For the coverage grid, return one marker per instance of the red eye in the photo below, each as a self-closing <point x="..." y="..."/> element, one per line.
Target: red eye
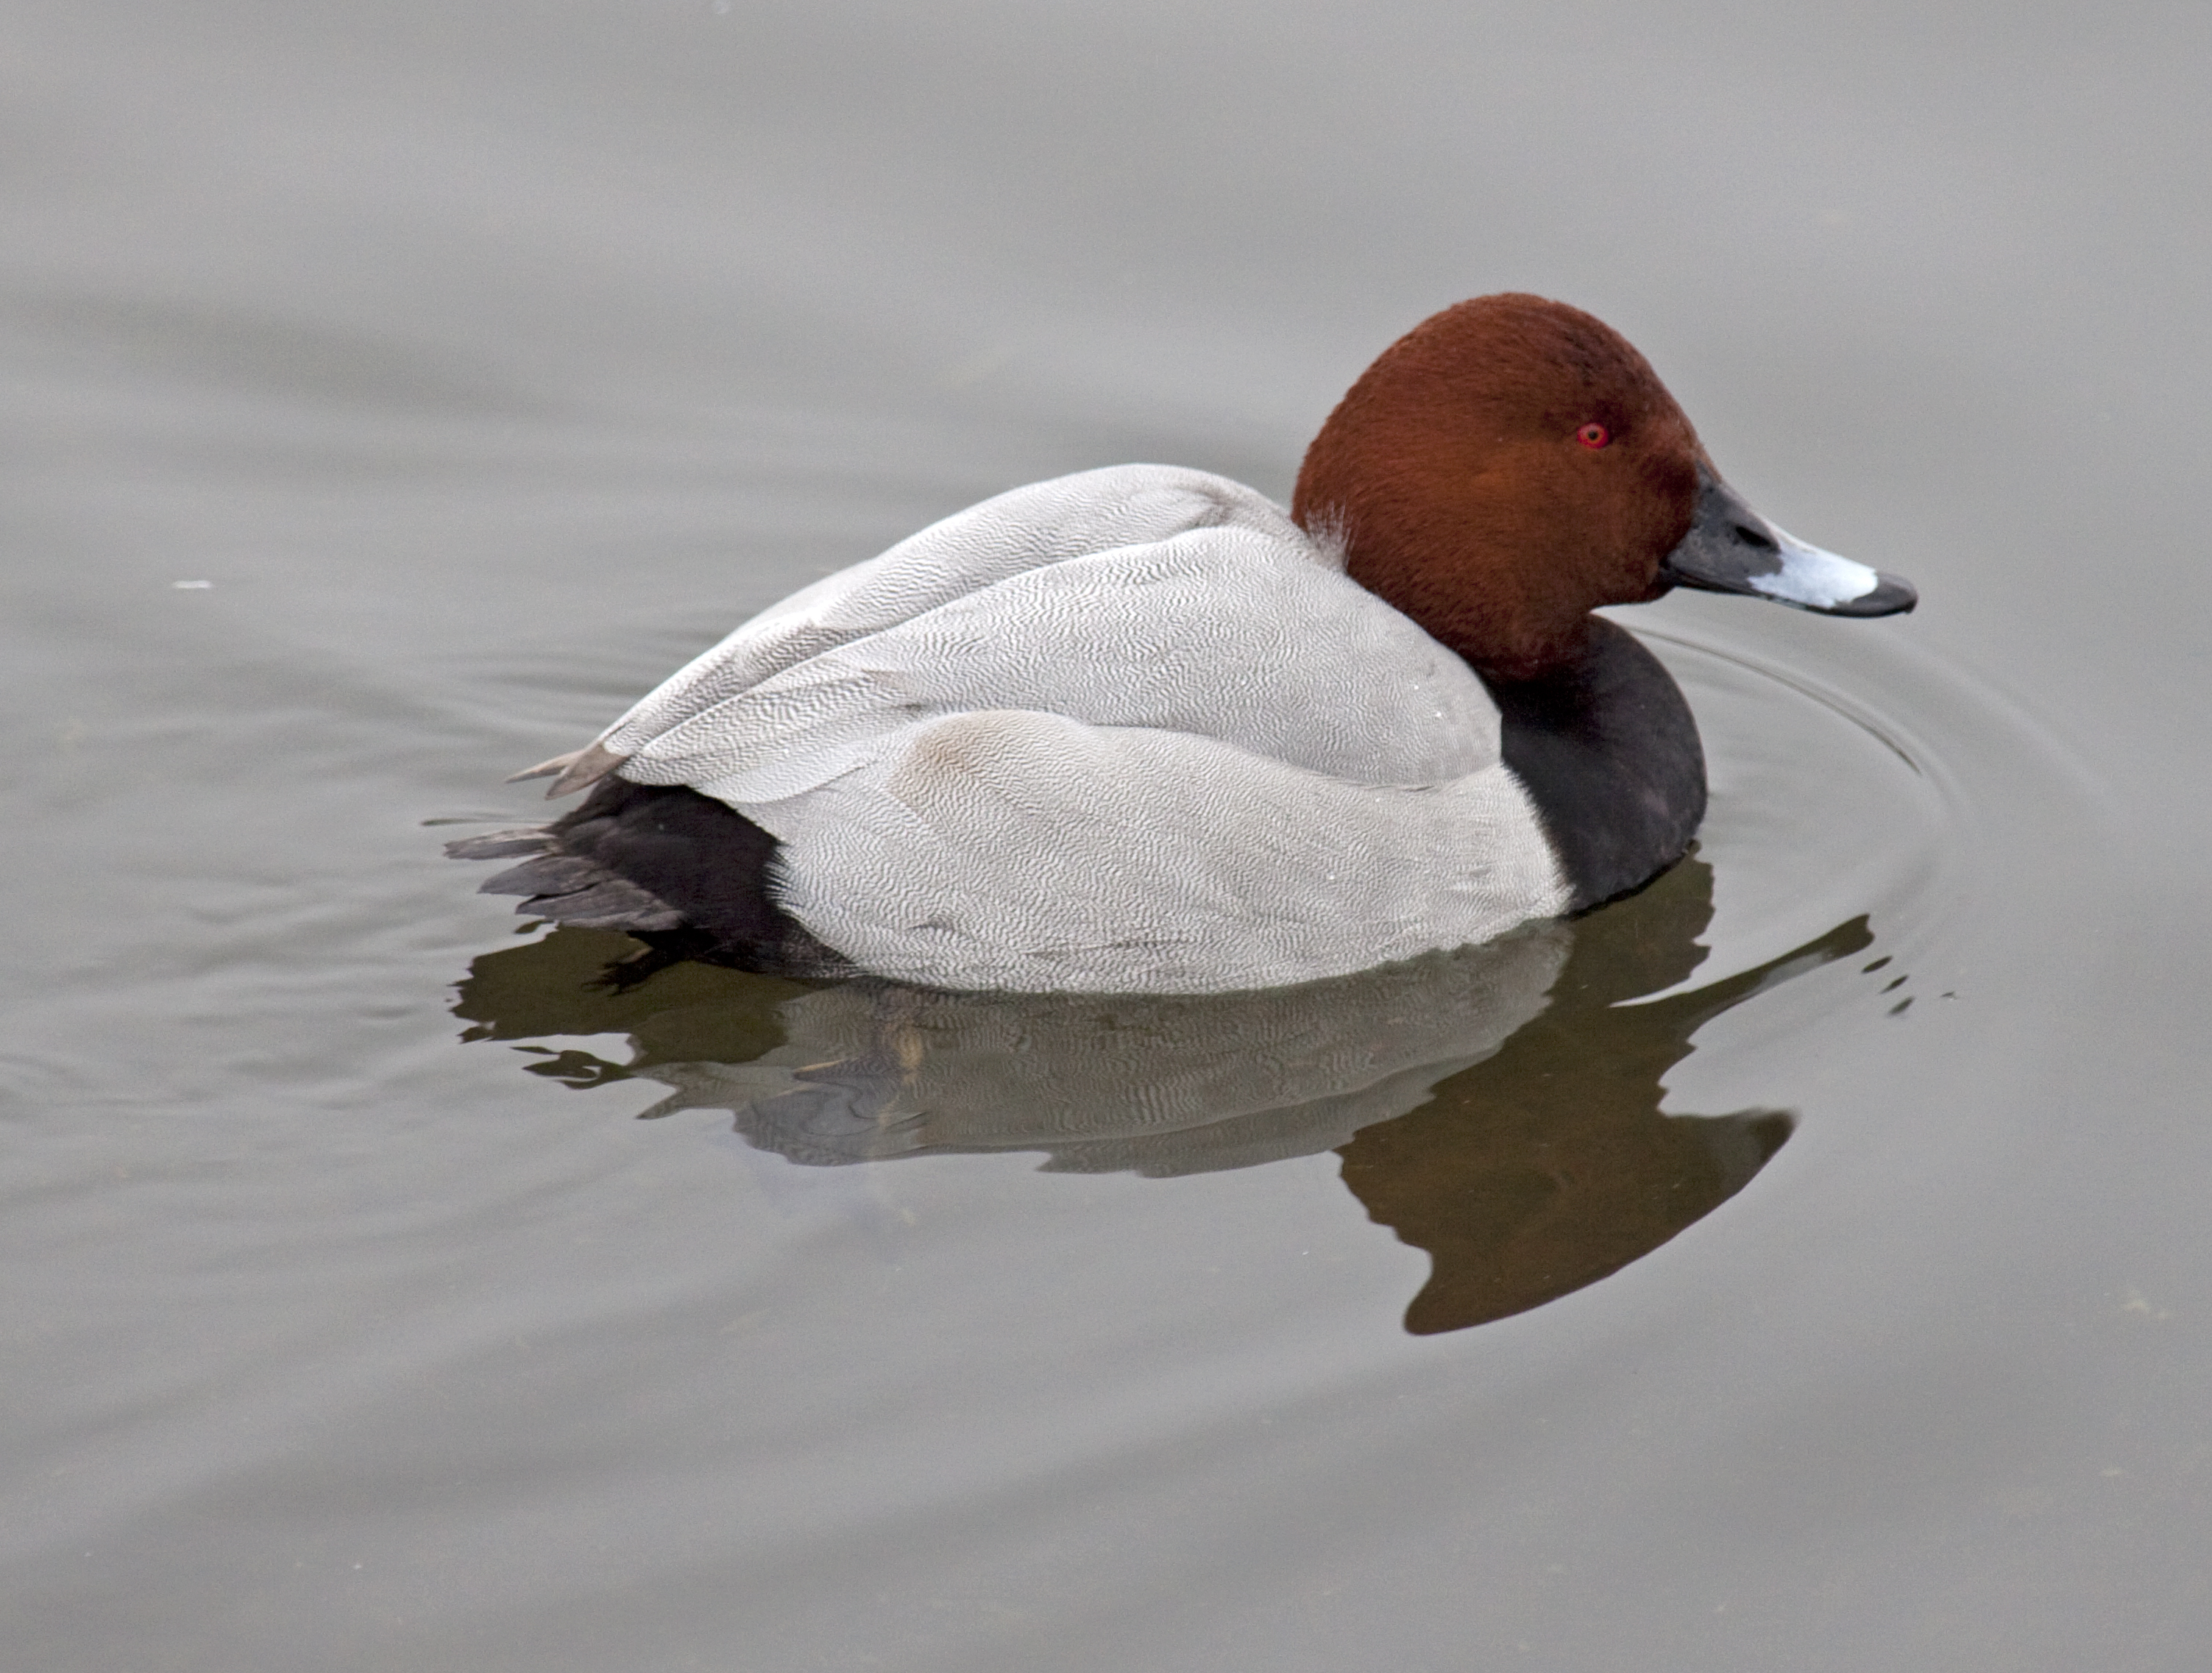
<point x="1593" y="435"/>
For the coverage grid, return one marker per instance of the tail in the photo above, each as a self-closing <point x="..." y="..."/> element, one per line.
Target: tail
<point x="655" y="860"/>
<point x="566" y="886"/>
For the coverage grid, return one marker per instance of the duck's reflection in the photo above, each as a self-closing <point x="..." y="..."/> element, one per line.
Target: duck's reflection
<point x="1496" y="1106"/>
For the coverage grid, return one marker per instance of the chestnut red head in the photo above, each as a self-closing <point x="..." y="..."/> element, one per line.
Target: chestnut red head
<point x="1503" y="469"/>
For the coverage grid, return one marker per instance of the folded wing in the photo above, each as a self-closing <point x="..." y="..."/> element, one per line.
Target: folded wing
<point x="1212" y="632"/>
<point x="1023" y="530"/>
<point x="1128" y="729"/>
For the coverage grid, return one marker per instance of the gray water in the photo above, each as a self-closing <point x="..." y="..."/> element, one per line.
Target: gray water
<point x="1803" y="1264"/>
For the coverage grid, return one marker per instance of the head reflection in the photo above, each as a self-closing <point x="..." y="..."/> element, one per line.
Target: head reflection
<point x="1496" y="1106"/>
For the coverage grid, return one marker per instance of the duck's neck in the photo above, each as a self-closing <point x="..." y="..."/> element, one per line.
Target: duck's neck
<point x="1606" y="744"/>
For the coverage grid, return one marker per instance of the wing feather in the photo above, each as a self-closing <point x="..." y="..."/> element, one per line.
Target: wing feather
<point x="1131" y="729"/>
<point x="1024" y="529"/>
<point x="1212" y="632"/>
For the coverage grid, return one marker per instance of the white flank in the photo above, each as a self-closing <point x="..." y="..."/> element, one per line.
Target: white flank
<point x="1128" y="731"/>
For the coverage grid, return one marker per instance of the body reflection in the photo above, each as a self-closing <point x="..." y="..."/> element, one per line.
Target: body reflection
<point x="1496" y="1106"/>
<point x="1549" y="1165"/>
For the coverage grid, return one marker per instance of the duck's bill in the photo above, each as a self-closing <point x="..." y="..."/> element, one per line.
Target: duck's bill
<point x="1732" y="548"/>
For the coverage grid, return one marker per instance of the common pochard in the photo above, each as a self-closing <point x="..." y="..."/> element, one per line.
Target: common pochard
<point x="1140" y="729"/>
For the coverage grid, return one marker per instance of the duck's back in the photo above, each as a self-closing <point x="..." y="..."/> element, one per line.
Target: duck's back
<point x="1128" y="729"/>
<point x="1137" y="596"/>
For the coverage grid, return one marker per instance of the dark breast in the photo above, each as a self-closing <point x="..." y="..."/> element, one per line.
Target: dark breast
<point x="1608" y="750"/>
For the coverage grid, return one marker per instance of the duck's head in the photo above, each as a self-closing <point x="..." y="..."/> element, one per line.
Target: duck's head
<point x="1511" y="464"/>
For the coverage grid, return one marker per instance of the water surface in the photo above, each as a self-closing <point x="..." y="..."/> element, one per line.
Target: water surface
<point x="1801" y="1265"/>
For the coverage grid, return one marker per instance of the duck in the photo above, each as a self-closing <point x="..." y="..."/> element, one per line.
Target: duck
<point x="1142" y="729"/>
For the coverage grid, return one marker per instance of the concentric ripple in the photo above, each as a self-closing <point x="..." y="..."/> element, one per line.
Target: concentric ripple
<point x="1499" y="1105"/>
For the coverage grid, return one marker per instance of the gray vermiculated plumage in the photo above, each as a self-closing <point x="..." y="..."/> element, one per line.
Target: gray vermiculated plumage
<point x="1131" y="729"/>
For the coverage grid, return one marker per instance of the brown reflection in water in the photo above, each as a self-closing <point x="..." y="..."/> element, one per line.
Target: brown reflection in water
<point x="1549" y="1165"/>
<point x="1496" y="1106"/>
<point x="687" y="1013"/>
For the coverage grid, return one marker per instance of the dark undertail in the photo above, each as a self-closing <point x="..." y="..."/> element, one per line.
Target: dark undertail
<point x="1609" y="752"/>
<point x="687" y="876"/>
